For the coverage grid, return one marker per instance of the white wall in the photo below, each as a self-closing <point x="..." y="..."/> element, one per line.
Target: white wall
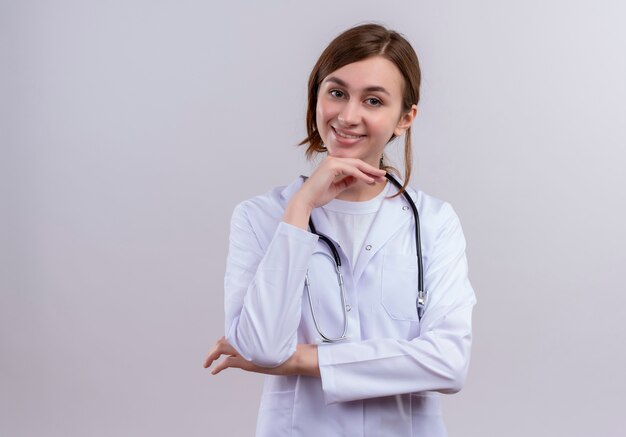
<point x="125" y="128"/>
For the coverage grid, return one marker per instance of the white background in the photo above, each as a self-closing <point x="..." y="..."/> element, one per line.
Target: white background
<point x="130" y="129"/>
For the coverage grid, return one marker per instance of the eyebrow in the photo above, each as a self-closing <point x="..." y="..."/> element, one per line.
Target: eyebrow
<point x="345" y="85"/>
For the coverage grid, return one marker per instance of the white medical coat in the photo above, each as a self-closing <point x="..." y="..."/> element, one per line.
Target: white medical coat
<point x="386" y="378"/>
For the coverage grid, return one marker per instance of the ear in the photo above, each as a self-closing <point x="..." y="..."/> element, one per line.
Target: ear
<point x="405" y="121"/>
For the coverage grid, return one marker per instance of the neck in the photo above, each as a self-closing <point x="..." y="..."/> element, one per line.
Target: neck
<point x="361" y="191"/>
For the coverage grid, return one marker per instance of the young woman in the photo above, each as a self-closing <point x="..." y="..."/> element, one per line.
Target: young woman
<point x="325" y="293"/>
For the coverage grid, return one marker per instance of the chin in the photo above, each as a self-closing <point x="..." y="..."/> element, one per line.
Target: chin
<point x="344" y="154"/>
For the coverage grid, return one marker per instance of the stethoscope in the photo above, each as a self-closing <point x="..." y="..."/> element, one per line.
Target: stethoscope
<point x="421" y="293"/>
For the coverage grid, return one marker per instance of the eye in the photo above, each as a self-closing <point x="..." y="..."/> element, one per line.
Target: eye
<point x="336" y="93"/>
<point x="373" y="101"/>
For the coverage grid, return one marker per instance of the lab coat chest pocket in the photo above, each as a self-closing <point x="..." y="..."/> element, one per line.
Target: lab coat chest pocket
<point x="399" y="286"/>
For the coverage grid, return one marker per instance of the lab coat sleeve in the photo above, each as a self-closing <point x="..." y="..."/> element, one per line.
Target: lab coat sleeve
<point x="263" y="287"/>
<point x="436" y="360"/>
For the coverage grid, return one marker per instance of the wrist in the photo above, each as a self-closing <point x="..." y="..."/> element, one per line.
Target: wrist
<point x="307" y="362"/>
<point x="300" y="201"/>
<point x="297" y="212"/>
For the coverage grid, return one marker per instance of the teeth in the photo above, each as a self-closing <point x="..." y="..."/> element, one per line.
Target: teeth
<point x="351" y="137"/>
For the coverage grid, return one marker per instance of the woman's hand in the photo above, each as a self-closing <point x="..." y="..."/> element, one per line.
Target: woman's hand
<point x="333" y="176"/>
<point x="302" y="362"/>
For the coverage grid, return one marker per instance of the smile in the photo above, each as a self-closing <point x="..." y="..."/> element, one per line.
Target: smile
<point x="347" y="136"/>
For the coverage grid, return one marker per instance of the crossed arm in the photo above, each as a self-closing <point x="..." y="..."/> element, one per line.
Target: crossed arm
<point x="333" y="176"/>
<point x="303" y="362"/>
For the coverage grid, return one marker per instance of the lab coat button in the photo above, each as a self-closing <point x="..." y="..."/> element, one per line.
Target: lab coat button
<point x="368" y="247"/>
<point x="348" y="307"/>
<point x="404" y="208"/>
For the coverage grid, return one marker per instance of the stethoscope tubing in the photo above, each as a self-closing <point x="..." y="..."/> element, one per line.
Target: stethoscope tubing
<point x="421" y="293"/>
<point x="418" y="240"/>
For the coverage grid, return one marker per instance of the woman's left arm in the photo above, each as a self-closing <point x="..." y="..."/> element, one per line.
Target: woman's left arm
<point x="303" y="362"/>
<point x="437" y="359"/>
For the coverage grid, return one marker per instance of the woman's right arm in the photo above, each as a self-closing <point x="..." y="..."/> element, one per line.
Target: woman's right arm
<point x="264" y="285"/>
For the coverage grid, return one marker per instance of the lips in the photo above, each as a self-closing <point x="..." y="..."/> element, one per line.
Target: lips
<point x="346" y="135"/>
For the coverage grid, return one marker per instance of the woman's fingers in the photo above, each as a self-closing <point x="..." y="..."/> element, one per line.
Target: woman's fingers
<point x="237" y="362"/>
<point x="348" y="172"/>
<point x="357" y="168"/>
<point x="378" y="174"/>
<point x="335" y="175"/>
<point x="356" y="174"/>
<point x="222" y="347"/>
<point x="367" y="176"/>
<point x="332" y="177"/>
<point x="234" y="360"/>
<point x="345" y="183"/>
<point x="226" y="363"/>
<point x="212" y="356"/>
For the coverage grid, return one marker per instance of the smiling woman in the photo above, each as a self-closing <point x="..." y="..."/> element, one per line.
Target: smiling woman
<point x="386" y="323"/>
<point x="352" y="47"/>
<point x="359" y="109"/>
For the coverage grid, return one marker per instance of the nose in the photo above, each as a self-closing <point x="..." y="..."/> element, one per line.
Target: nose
<point x="349" y="115"/>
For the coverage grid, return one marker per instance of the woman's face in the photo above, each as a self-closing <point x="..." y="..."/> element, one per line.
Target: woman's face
<point x="359" y="108"/>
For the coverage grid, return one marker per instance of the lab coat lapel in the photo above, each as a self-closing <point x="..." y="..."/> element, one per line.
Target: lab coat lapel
<point x="388" y="221"/>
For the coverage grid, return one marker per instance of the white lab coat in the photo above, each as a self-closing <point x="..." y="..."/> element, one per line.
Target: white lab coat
<point x="384" y="380"/>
